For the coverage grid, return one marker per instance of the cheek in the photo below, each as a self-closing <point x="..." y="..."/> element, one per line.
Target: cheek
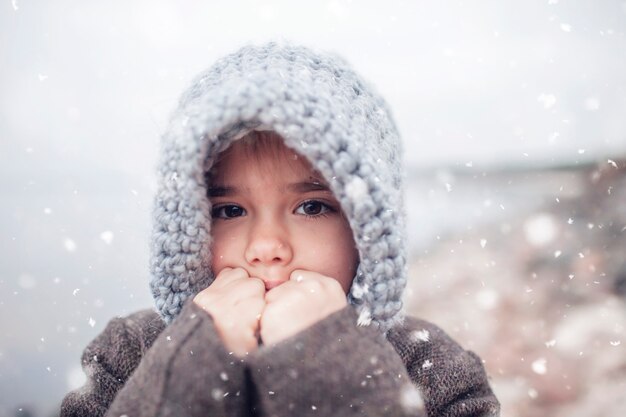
<point x="224" y="250"/>
<point x="348" y="261"/>
<point x="330" y="250"/>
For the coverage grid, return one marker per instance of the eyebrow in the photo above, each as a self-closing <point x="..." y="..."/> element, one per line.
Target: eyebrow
<point x="307" y="186"/>
<point x="296" y="187"/>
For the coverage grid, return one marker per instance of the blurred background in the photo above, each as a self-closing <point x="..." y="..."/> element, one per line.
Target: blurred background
<point x="513" y="118"/>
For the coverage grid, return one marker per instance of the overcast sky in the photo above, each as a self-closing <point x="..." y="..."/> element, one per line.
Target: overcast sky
<point x="91" y="83"/>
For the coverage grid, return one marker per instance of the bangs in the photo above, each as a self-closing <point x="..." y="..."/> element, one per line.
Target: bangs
<point x="258" y="145"/>
<point x="263" y="142"/>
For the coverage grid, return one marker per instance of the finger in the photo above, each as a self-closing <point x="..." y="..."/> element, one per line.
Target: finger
<point x="228" y="275"/>
<point x="301" y="275"/>
<point x="249" y="287"/>
<point x="309" y="281"/>
<point x="314" y="280"/>
<point x="281" y="291"/>
<point x="253" y="310"/>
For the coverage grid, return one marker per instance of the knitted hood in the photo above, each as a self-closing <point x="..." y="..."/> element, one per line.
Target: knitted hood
<point x="325" y="112"/>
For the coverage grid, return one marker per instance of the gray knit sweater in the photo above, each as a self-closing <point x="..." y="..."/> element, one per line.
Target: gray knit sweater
<point x="140" y="367"/>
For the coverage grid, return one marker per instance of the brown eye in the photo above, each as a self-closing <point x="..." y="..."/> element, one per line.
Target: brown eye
<point x="227" y="211"/>
<point x="312" y="208"/>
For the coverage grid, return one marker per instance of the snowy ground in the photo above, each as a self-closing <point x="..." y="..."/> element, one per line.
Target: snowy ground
<point x="539" y="294"/>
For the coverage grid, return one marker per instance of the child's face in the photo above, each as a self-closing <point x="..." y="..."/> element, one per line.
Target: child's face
<point x="273" y="214"/>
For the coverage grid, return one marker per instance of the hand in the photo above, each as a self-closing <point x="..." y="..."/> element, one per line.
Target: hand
<point x="300" y="302"/>
<point x="235" y="301"/>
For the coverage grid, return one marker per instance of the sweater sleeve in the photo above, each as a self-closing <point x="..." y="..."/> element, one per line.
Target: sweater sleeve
<point x="338" y="368"/>
<point x="334" y="368"/>
<point x="185" y="372"/>
<point x="453" y="381"/>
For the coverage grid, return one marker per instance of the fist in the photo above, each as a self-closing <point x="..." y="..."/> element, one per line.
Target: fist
<point x="235" y="301"/>
<point x="297" y="304"/>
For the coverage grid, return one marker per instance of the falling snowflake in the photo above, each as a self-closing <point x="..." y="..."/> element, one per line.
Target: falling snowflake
<point x="92" y="322"/>
<point x="565" y="27"/>
<point x="356" y="189"/>
<point x="553" y="136"/>
<point x="548" y="100"/>
<point x="540" y="229"/>
<point x="487" y="299"/>
<point x="75" y="378"/>
<point x="217" y="394"/>
<point x="411" y="399"/>
<point x="420" y="335"/>
<point x="358" y="290"/>
<point x="69" y="244"/>
<point x="107" y="236"/>
<point x="427" y="364"/>
<point x="551" y="343"/>
<point x="365" y="318"/>
<point x="539" y="366"/>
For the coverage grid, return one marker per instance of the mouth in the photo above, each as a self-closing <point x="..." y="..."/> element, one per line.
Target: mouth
<point x="269" y="284"/>
<point x="271" y="277"/>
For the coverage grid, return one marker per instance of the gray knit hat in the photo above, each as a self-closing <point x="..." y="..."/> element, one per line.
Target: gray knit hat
<point x="324" y="111"/>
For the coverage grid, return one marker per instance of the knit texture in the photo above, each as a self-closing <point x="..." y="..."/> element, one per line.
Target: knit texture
<point x="139" y="367"/>
<point x="324" y="111"/>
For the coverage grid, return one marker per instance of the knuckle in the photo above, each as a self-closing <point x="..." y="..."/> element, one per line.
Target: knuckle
<point x="316" y="285"/>
<point x="256" y="283"/>
<point x="239" y="271"/>
<point x="333" y="284"/>
<point x="224" y="272"/>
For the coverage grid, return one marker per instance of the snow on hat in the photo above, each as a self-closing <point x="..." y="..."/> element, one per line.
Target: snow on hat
<point x="324" y="111"/>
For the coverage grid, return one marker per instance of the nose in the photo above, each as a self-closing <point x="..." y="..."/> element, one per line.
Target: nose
<point x="268" y="244"/>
